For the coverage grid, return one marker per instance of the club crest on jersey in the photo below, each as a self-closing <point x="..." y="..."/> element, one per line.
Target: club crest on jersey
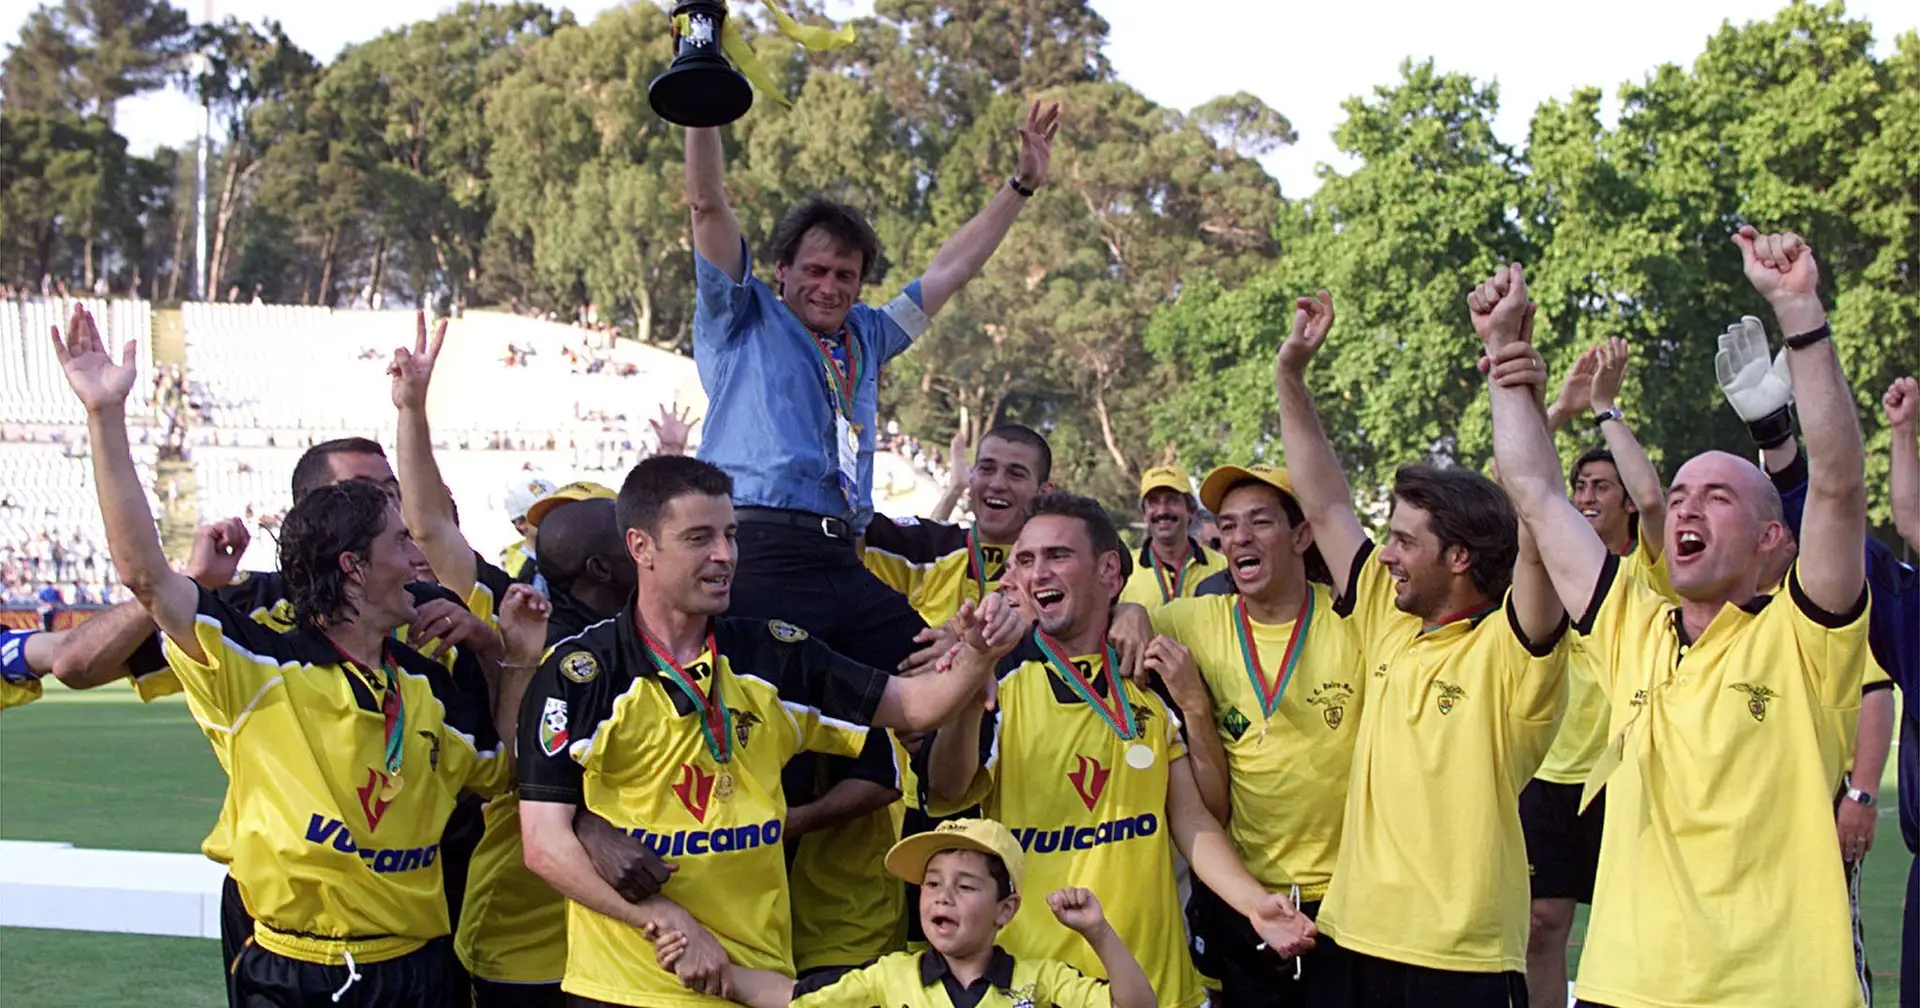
<point x="1449" y="695"/>
<point x="1235" y="724"/>
<point x="742" y="721"/>
<point x="281" y="615"/>
<point x="433" y="750"/>
<point x="375" y="796"/>
<point x="1639" y="698"/>
<point x="580" y="667"/>
<point x="695" y="790"/>
<point x="1332" y="699"/>
<point x="553" y="726"/>
<point x="1022" y="997"/>
<point x="785" y="633"/>
<point x="1758" y="697"/>
<point x="1089" y="780"/>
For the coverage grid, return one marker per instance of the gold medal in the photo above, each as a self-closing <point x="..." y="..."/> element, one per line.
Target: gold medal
<point x="853" y="437"/>
<point x="723" y="786"/>
<point x="1139" y="756"/>
<point x="391" y="787"/>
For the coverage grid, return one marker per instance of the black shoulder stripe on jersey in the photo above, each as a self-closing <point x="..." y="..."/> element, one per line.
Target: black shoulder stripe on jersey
<point x="1343" y="605"/>
<point x="922" y="542"/>
<point x="1609" y="573"/>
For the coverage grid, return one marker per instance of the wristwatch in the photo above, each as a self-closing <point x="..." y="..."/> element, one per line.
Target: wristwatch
<point x="1610" y="413"/>
<point x="1865" y="798"/>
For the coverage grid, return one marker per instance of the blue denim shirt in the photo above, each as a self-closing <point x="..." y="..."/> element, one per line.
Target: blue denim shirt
<point x="770" y="418"/>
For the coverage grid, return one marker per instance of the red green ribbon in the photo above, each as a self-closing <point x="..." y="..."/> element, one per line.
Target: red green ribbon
<point x="1117" y="713"/>
<point x="1243" y="628"/>
<point x="716" y="721"/>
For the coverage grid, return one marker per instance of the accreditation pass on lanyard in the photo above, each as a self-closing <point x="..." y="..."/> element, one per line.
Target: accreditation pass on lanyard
<point x="843" y="383"/>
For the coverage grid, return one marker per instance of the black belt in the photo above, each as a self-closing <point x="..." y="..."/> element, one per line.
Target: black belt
<point x="832" y="528"/>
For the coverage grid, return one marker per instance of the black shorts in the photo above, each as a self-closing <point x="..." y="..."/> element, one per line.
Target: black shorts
<point x="1563" y="843"/>
<point x="236" y="926"/>
<point x="427" y="978"/>
<point x="1382" y="983"/>
<point x="1226" y="948"/>
<point x="494" y="994"/>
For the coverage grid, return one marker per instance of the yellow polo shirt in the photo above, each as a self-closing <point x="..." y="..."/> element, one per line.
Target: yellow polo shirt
<point x="1288" y="769"/>
<point x="923" y="980"/>
<point x="1432" y="868"/>
<point x="1720" y="879"/>
<point x="1153" y="586"/>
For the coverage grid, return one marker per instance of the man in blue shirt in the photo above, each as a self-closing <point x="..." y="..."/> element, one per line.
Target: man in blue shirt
<point x="791" y="371"/>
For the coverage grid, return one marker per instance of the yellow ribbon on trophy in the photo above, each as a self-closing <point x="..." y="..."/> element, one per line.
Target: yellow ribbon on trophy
<point x="748" y="62"/>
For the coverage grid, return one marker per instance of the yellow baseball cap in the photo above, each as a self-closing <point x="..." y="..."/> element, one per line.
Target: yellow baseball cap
<point x="1214" y="488"/>
<point x="1167" y="477"/>
<point x="908" y="858"/>
<point x="566" y="495"/>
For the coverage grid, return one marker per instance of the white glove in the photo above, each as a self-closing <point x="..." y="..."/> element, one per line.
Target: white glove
<point x="1753" y="388"/>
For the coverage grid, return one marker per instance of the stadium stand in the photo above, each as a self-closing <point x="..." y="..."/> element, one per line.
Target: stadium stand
<point x="32" y="390"/>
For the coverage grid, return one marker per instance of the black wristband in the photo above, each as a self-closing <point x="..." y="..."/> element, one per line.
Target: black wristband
<point x="1807" y="339"/>
<point x="1014" y="183"/>
<point x="1774" y="429"/>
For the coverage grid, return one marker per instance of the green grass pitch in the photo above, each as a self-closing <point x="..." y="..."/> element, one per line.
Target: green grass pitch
<point x="100" y="769"/>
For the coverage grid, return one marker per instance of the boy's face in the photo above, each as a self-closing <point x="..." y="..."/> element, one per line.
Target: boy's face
<point x="960" y="906"/>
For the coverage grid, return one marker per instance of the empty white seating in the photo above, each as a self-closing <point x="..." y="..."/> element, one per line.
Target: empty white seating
<point x="32" y="389"/>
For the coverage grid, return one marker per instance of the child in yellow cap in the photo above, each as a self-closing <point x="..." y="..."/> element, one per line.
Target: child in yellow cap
<point x="968" y="871"/>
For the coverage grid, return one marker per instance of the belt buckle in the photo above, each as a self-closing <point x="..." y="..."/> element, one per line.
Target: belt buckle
<point x="826" y="527"/>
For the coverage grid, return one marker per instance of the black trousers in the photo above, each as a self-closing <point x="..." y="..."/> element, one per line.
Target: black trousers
<point x="493" y="994"/>
<point x="1383" y="983"/>
<point x="1228" y="949"/>
<point x="817" y="582"/>
<point x="427" y="978"/>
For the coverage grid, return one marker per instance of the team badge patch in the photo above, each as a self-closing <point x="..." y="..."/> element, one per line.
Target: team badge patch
<point x="785" y="633"/>
<point x="282" y="615"/>
<point x="1758" y="697"/>
<point x="1449" y="695"/>
<point x="579" y="667"/>
<point x="553" y="726"/>
<point x="743" y="721"/>
<point x="1332" y="699"/>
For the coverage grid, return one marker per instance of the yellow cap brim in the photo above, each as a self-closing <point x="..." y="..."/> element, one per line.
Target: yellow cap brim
<point x="1213" y="489"/>
<point x="908" y="858"/>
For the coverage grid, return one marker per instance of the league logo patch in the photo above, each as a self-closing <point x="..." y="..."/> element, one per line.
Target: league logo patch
<point x="580" y="667"/>
<point x="553" y="726"/>
<point x="1089" y="780"/>
<point x="1449" y="695"/>
<point x="785" y="633"/>
<point x="1758" y="697"/>
<point x="695" y="790"/>
<point x="1235" y="724"/>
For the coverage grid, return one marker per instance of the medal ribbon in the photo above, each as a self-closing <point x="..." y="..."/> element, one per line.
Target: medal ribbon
<point x="977" y="561"/>
<point x="1160" y="579"/>
<point x="1243" y="628"/>
<point x="1464" y="614"/>
<point x="716" y="721"/>
<point x="1119" y="714"/>
<point x="842" y="383"/>
<point x="393" y="709"/>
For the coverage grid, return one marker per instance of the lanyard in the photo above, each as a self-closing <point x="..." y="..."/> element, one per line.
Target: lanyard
<point x="1119" y="713"/>
<point x="716" y="721"/>
<point x="977" y="561"/>
<point x="1159" y="578"/>
<point x="842" y="383"/>
<point x="1243" y="628"/>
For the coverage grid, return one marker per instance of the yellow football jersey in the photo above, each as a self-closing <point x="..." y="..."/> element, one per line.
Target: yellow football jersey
<point x="923" y="980"/>
<point x="1725" y="755"/>
<point x="1152" y="586"/>
<point x="1087" y="815"/>
<point x="1288" y="769"/>
<point x="605" y="728"/>
<point x="334" y="851"/>
<point x="846" y="909"/>
<point x="15" y="694"/>
<point x="1432" y="868"/>
<point x="1583" y="731"/>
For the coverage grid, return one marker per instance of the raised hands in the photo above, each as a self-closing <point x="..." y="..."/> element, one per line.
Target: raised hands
<point x="673" y="428"/>
<point x="1078" y="909"/>
<point x="412" y="371"/>
<point x="1312" y="320"/>
<point x="1902" y="403"/>
<point x="523" y="622"/>
<point x="217" y="549"/>
<point x="1036" y="143"/>
<point x="95" y="378"/>
<point x="1500" y="310"/>
<point x="1611" y="358"/>
<point x="1780" y="266"/>
<point x="1755" y="386"/>
<point x="1576" y="390"/>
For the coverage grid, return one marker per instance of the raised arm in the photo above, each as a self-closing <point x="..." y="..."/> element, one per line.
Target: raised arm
<point x="423" y="493"/>
<point x="1902" y="403"/>
<point x="171" y="599"/>
<point x="962" y="255"/>
<point x="1832" y="566"/>
<point x="1637" y="475"/>
<point x="1576" y="391"/>
<point x="716" y="231"/>
<point x="1324" y="494"/>
<point x="1522" y="448"/>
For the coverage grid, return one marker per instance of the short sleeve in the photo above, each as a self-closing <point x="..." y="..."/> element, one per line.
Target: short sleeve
<point x="720" y="304"/>
<point x="1536" y="669"/>
<point x="875" y="764"/>
<point x="1833" y="646"/>
<point x="1176" y="738"/>
<point x="1623" y="612"/>
<point x="1368" y="600"/>
<point x="831" y="697"/>
<point x="242" y="657"/>
<point x="564" y="705"/>
<point x="490" y="585"/>
<point x="1066" y="987"/>
<point x="903" y="320"/>
<point x="861" y="988"/>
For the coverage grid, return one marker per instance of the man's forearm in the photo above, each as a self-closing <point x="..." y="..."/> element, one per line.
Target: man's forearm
<point x="1638" y="477"/>
<point x="923" y="703"/>
<point x="949" y="499"/>
<point x="131" y="535"/>
<point x="954" y="759"/>
<point x="844" y="802"/>
<point x="1830" y="427"/>
<point x="96" y="652"/>
<point x="1315" y="469"/>
<point x="427" y="505"/>
<point x="1209" y="757"/>
<point x="716" y="232"/>
<point x="961" y="256"/>
<point x="1210" y="853"/>
<point x="1904" y="484"/>
<point x="555" y="855"/>
<point x="1872" y="740"/>
<point x="1523" y="449"/>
